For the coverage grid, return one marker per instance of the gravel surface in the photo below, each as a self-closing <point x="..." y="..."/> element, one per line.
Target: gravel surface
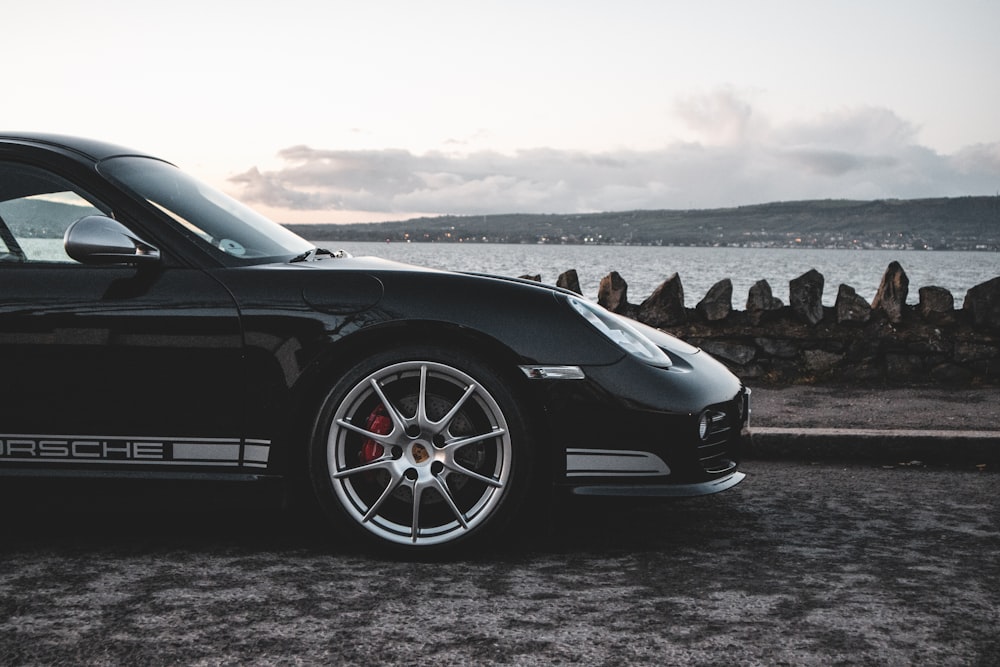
<point x="799" y="565"/>
<point x="932" y="408"/>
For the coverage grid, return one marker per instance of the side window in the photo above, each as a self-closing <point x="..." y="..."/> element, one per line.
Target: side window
<point x="36" y="207"/>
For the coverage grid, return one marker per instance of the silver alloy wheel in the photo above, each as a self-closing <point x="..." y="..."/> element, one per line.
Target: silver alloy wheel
<point x="419" y="453"/>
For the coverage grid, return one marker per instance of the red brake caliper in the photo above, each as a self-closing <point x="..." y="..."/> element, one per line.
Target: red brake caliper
<point x="378" y="422"/>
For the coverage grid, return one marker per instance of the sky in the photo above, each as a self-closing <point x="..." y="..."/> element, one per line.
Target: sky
<point x="334" y="111"/>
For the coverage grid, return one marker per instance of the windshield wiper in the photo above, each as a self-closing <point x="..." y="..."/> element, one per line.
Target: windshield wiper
<point x="311" y="255"/>
<point x="306" y="256"/>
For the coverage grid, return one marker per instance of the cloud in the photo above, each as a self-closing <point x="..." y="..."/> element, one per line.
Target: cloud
<point x="738" y="158"/>
<point x="718" y="117"/>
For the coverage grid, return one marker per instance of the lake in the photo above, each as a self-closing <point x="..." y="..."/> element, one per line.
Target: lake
<point x="646" y="267"/>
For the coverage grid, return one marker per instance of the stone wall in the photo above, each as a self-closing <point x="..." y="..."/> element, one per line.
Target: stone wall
<point x="887" y="342"/>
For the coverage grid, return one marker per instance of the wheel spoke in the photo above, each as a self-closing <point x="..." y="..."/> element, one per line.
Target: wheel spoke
<point x="415" y="525"/>
<point x="458" y="406"/>
<point x="386" y="492"/>
<point x="445" y="492"/>
<point x="384" y="463"/>
<point x="458" y="443"/>
<point x="422" y="419"/>
<point x="382" y="438"/>
<point x="398" y="420"/>
<point x="458" y="468"/>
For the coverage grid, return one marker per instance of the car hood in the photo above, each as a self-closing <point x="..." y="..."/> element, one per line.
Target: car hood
<point x="667" y="341"/>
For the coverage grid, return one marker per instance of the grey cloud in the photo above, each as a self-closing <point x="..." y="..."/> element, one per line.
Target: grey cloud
<point x="272" y="190"/>
<point x="867" y="153"/>
<point x="866" y="130"/>
<point x="837" y="163"/>
<point x="981" y="159"/>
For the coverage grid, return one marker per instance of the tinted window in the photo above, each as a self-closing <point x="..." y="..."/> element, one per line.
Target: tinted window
<point x="36" y="207"/>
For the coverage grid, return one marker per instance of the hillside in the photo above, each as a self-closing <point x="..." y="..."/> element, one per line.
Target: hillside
<point x="965" y="223"/>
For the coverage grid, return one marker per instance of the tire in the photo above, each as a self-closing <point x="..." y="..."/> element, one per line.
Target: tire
<point x="422" y="450"/>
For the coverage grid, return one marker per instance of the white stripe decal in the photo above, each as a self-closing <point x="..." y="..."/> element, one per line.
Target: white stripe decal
<point x="123" y="462"/>
<point x="256" y="454"/>
<point x="614" y="463"/>
<point x="202" y="451"/>
<point x="135" y="450"/>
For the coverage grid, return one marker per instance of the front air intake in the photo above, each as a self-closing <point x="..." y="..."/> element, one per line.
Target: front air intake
<point x="721" y="424"/>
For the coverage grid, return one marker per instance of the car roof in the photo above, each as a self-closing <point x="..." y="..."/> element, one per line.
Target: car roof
<point x="88" y="148"/>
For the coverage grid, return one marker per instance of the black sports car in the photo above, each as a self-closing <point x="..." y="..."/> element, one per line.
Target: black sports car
<point x="152" y="328"/>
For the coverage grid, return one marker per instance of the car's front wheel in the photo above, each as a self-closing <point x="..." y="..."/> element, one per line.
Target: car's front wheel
<point x="421" y="449"/>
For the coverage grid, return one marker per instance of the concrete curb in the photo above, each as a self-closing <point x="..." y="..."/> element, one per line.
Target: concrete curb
<point x="887" y="446"/>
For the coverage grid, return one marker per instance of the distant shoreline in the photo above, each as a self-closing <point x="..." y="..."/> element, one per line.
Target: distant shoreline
<point x="962" y="223"/>
<point x="302" y="230"/>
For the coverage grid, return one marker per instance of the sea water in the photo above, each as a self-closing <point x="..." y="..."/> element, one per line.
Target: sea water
<point x="645" y="267"/>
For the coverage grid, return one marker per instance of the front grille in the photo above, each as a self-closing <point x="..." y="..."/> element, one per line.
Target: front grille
<point x="719" y="451"/>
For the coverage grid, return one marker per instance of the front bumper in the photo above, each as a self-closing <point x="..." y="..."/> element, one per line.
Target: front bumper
<point x="637" y="434"/>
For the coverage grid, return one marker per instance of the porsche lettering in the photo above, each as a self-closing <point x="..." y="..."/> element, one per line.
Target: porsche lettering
<point x="213" y="452"/>
<point x="79" y="449"/>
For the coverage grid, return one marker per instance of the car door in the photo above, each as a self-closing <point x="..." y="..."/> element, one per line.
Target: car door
<point x="109" y="368"/>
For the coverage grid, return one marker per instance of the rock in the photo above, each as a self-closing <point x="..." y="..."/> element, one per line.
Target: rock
<point x="951" y="374"/>
<point x="851" y="307"/>
<point x="983" y="302"/>
<point x="867" y="346"/>
<point x="820" y="361"/>
<point x="613" y="293"/>
<point x="537" y="277"/>
<point x="863" y="372"/>
<point x="975" y="352"/>
<point x="778" y="347"/>
<point x="933" y="342"/>
<point x="761" y="301"/>
<point x="805" y="295"/>
<point x="936" y="303"/>
<point x="569" y="280"/>
<point x="665" y="306"/>
<point x="753" y="372"/>
<point x="718" y="302"/>
<point x="891" y="295"/>
<point x="904" y="366"/>
<point x="737" y="353"/>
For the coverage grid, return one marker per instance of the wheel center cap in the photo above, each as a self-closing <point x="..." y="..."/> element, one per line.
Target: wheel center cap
<point x="420" y="453"/>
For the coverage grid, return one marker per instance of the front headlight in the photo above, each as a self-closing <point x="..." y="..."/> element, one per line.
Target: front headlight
<point x="618" y="329"/>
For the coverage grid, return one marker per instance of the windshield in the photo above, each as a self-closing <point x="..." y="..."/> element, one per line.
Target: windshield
<point x="210" y="217"/>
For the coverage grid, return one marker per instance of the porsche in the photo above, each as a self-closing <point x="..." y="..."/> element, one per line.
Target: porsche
<point x="154" y="329"/>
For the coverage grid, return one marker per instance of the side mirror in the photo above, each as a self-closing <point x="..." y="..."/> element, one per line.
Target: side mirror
<point x="97" y="239"/>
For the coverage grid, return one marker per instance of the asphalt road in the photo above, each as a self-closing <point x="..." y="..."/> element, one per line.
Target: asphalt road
<point x="802" y="564"/>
